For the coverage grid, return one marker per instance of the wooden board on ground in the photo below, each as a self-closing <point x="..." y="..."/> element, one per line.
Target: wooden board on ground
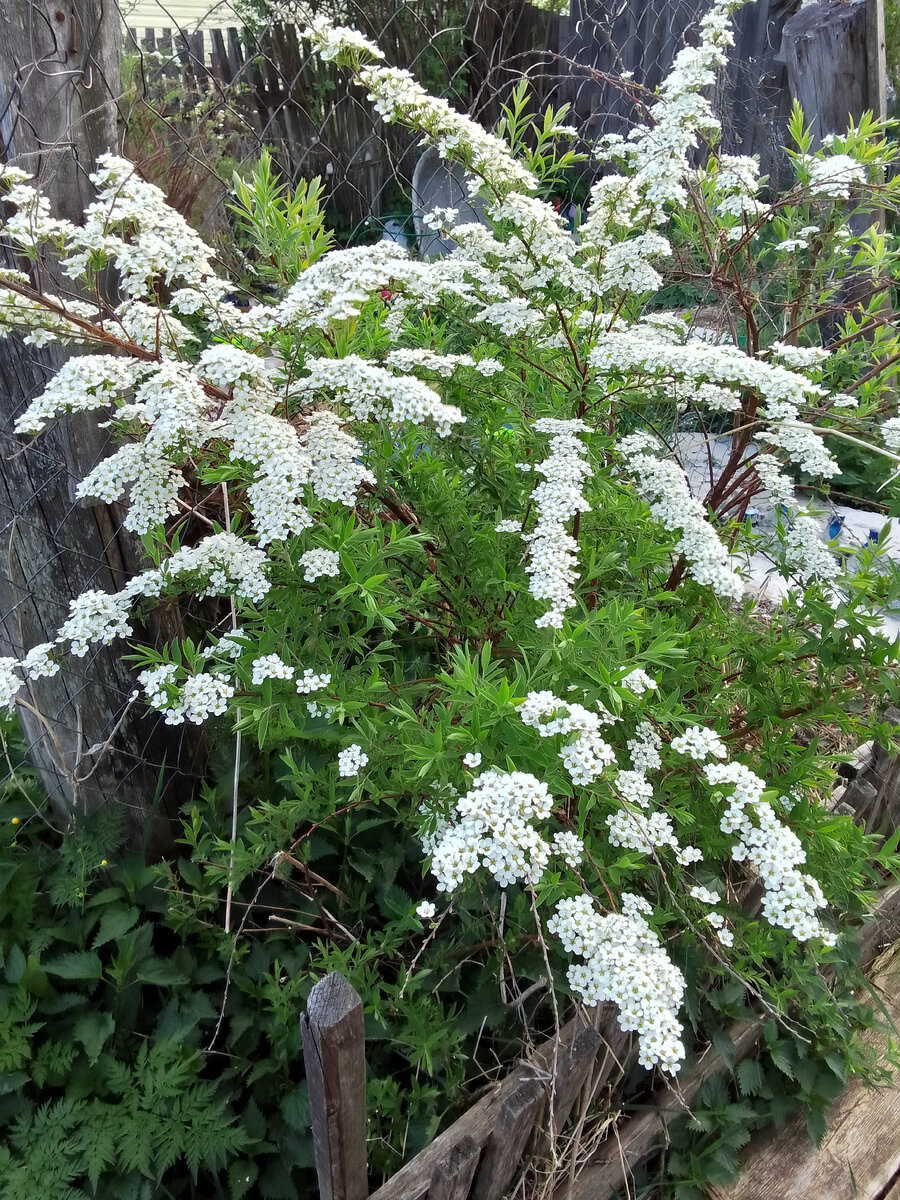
<point x="859" y="1158"/>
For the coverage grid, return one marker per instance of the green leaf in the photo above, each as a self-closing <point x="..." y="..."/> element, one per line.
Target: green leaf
<point x="113" y="924"/>
<point x="79" y="964"/>
<point x="160" y="972"/>
<point x="92" y="1030"/>
<point x="15" y="965"/>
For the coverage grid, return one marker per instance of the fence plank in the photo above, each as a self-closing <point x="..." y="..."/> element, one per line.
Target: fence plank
<point x="451" y="1179"/>
<point x="334" y="1056"/>
<point x="412" y="1182"/>
<point x="503" y="1153"/>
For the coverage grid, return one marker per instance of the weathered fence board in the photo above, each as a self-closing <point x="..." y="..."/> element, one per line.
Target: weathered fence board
<point x="514" y="1125"/>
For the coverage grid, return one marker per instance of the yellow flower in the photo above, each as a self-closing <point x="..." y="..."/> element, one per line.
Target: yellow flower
<point x="14" y="821"/>
<point x="103" y="862"/>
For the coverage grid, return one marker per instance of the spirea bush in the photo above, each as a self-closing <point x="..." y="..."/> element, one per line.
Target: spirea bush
<point x="455" y="569"/>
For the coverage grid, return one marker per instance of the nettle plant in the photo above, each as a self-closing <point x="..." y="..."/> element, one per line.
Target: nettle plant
<point x="443" y="504"/>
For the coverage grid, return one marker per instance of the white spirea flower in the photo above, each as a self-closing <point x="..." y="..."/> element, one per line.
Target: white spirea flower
<point x="625" y="964"/>
<point x="791" y="898"/>
<point x="644" y="747"/>
<point x="664" y="486"/>
<point x="640" y="831"/>
<point x="222" y="564"/>
<point x="10" y="682"/>
<point x="332" y="40"/>
<point x="270" y="666"/>
<point x="95" y="618"/>
<point x="472" y="760"/>
<point x="703" y="894"/>
<point x="569" y="847"/>
<point x="83" y="383"/>
<point x="351" y="761"/>
<point x="699" y="743"/>
<point x="130" y="222"/>
<point x="369" y="391"/>
<point x="335" y="471"/>
<point x="638" y="682"/>
<point x="508" y="527"/>
<point x="319" y="562"/>
<point x="799" y="357"/>
<point x="492" y="830"/>
<point x="552" y="552"/>
<point x="38" y="663"/>
<point x="425" y="910"/>
<point x="203" y="696"/>
<point x="397" y="97"/>
<point x="834" y="175"/>
<point x="200" y="697"/>
<point x="587" y="755"/>
<point x="805" y="554"/>
<point x="309" y="681"/>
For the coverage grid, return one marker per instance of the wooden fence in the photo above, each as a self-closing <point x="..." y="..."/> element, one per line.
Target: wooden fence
<point x="598" y="57"/>
<point x="482" y="1153"/>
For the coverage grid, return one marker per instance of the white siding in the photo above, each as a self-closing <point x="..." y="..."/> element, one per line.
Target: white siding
<point x="178" y="14"/>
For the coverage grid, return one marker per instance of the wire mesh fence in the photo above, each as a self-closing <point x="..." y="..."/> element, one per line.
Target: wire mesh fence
<point x="190" y="102"/>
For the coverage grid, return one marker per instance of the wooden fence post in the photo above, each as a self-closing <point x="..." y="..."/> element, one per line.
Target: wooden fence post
<point x="334" y="1056"/>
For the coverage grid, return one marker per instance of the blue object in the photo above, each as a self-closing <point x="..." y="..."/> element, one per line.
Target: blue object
<point x="837" y="524"/>
<point x="874" y="535"/>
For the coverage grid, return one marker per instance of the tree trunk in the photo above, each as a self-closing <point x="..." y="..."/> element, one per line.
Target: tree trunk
<point x="59" y="82"/>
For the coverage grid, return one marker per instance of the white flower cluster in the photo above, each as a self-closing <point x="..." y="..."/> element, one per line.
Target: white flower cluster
<point x="200" y="697"/>
<point x="638" y="682"/>
<point x="369" y="391"/>
<point x="351" y="761"/>
<point x="87" y="382"/>
<point x="472" y="759"/>
<point x="791" y="898"/>
<point x="642" y="832"/>
<point x="665" y="488"/>
<point x="270" y="666"/>
<point x="648" y="348"/>
<point x="335" y="471"/>
<point x="805" y="554"/>
<point x="644" y="747"/>
<point x="804" y="447"/>
<point x="658" y="152"/>
<point x="553" y="552"/>
<point x="493" y="830"/>
<point x="569" y="847"/>
<point x="222" y="564"/>
<point x="95" y="618"/>
<point x="319" y="562"/>
<point x="587" y="755"/>
<point x="625" y="963"/>
<point x="309" y="681"/>
<point x="834" y="175"/>
<point x="39" y="662"/>
<point x="737" y="188"/>
<point x="130" y="222"/>
<point x="699" y="744"/>
<point x="800" y="358"/>
<point x="330" y="41"/>
<point x="10" y="682"/>
<point x="422" y="359"/>
<point x="511" y="317"/>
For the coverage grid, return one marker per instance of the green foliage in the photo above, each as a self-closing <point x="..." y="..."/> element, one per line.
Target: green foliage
<point x="284" y="226"/>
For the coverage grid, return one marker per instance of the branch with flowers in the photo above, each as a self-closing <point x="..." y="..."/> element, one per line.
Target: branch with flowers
<point x="455" y="528"/>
